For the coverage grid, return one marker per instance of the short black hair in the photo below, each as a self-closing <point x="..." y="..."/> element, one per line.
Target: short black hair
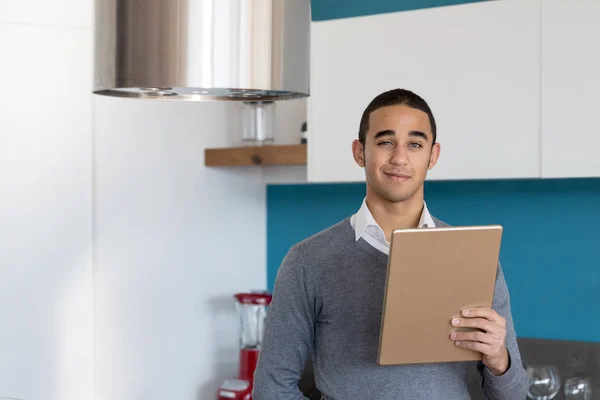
<point x="395" y="97"/>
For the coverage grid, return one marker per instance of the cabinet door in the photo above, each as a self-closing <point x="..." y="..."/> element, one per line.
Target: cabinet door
<point x="570" y="88"/>
<point x="477" y="65"/>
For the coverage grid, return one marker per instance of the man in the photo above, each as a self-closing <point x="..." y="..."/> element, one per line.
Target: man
<point x="329" y="290"/>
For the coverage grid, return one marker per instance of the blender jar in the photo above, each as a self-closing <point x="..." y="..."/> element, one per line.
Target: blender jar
<point x="252" y="313"/>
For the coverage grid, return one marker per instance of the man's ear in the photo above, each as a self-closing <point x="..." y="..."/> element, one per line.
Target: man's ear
<point x="358" y="152"/>
<point x="435" y="155"/>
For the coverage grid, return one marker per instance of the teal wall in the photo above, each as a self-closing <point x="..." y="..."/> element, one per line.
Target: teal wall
<point x="334" y="9"/>
<point x="550" y="248"/>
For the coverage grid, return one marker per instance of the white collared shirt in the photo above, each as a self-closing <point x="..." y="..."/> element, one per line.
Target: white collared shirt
<point x="365" y="226"/>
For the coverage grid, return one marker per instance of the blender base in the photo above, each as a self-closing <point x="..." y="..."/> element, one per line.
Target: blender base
<point x="237" y="389"/>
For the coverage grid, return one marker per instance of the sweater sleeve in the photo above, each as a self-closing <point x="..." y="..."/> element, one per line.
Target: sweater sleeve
<point x="288" y="334"/>
<point x="513" y="384"/>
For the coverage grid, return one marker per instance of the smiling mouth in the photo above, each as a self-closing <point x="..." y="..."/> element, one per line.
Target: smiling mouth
<point x="397" y="177"/>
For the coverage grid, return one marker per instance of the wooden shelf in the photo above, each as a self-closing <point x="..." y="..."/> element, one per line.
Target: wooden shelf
<point x="261" y="155"/>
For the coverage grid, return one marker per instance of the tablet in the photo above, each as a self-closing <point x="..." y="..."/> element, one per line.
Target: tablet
<point x="433" y="274"/>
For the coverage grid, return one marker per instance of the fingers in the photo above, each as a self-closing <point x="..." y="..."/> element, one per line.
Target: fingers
<point x="475" y="336"/>
<point x="478" y="323"/>
<point x="476" y="346"/>
<point x="486" y="313"/>
<point x="490" y="329"/>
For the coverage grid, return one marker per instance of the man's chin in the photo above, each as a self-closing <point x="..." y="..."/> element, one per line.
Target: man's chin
<point x="392" y="194"/>
<point x="397" y="197"/>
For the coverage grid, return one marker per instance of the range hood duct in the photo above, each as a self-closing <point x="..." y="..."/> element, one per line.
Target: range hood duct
<point x="197" y="50"/>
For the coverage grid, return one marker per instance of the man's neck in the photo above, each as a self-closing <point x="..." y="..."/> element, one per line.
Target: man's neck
<point x="397" y="215"/>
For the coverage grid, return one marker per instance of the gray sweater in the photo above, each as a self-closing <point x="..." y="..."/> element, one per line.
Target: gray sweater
<point x="327" y="300"/>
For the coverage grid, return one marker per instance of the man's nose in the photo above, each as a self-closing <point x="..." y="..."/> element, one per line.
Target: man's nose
<point x="399" y="156"/>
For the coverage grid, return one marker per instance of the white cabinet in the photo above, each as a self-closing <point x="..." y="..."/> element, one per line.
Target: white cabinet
<point x="477" y="65"/>
<point x="570" y="88"/>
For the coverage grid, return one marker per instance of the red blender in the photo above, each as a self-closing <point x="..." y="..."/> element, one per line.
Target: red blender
<point x="252" y="312"/>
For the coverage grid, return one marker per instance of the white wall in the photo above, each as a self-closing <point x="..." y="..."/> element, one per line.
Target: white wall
<point x="173" y="241"/>
<point x="45" y="200"/>
<point x="133" y="261"/>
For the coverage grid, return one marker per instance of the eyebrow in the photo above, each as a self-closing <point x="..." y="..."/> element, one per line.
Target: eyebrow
<point x="389" y="132"/>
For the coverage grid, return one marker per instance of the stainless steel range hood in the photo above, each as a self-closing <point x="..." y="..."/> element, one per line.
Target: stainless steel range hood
<point x="196" y="50"/>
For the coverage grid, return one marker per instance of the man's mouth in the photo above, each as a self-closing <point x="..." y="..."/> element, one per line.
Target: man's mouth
<point x="397" y="177"/>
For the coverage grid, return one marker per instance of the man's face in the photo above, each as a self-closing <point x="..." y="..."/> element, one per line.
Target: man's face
<point x="397" y="152"/>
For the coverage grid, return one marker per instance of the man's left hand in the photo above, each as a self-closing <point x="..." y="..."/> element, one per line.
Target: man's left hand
<point x="490" y="341"/>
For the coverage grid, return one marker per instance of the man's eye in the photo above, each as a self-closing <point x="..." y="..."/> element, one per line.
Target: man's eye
<point x="416" y="145"/>
<point x="385" y="142"/>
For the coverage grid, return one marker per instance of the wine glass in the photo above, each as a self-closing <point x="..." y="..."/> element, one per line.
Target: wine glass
<point x="578" y="389"/>
<point x="544" y="382"/>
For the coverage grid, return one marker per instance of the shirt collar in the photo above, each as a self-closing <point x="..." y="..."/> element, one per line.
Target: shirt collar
<point x="364" y="218"/>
